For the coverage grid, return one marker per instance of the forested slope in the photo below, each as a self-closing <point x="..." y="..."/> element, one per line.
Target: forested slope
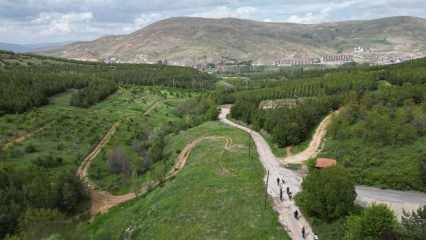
<point x="380" y="134"/>
<point x="28" y="81"/>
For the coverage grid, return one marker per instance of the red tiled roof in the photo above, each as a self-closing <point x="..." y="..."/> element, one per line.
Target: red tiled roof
<point x="325" y="162"/>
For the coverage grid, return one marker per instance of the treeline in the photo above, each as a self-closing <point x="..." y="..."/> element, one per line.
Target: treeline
<point x="288" y="126"/>
<point x="161" y="75"/>
<point x="46" y="193"/>
<point x="390" y="124"/>
<point x="96" y="91"/>
<point x="330" y="84"/>
<point x="23" y="87"/>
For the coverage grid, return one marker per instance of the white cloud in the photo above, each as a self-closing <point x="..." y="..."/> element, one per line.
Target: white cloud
<point x="227" y="12"/>
<point x="62" y="23"/>
<point x="310" y="17"/>
<point x="29" y="21"/>
<point x="142" y="21"/>
<point x="320" y="13"/>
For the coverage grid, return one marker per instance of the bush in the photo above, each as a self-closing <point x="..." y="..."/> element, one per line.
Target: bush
<point x="48" y="161"/>
<point x="414" y="225"/>
<point x="118" y="162"/>
<point x="375" y="222"/>
<point x="30" y="149"/>
<point x="328" y="194"/>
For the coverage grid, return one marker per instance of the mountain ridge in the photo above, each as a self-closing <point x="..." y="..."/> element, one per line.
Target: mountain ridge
<point x="192" y="40"/>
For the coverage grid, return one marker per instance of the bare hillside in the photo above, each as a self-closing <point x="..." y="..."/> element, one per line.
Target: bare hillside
<point x="185" y="40"/>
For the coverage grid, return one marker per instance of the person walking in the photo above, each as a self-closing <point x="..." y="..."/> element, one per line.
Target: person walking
<point x="296" y="215"/>
<point x="303" y="232"/>
<point x="278" y="181"/>
<point x="281" y="194"/>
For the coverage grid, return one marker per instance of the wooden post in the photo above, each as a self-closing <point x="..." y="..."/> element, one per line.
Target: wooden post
<point x="266" y="189"/>
<point x="249" y="139"/>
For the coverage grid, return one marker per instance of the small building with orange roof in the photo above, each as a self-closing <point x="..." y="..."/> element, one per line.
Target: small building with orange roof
<point x="322" y="163"/>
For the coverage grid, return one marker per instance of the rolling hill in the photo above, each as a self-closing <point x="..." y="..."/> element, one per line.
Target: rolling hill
<point x="187" y="40"/>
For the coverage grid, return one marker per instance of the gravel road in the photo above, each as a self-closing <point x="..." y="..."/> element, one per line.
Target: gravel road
<point x="398" y="201"/>
<point x="284" y="208"/>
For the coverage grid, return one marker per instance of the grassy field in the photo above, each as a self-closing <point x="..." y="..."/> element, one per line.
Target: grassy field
<point x="218" y="195"/>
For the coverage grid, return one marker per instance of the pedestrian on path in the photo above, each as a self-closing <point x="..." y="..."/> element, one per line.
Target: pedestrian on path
<point x="296" y="215"/>
<point x="278" y="181"/>
<point x="281" y="194"/>
<point x="303" y="232"/>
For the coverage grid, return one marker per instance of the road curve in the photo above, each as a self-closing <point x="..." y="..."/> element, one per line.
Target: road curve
<point x="398" y="201"/>
<point x="272" y="165"/>
<point x="315" y="144"/>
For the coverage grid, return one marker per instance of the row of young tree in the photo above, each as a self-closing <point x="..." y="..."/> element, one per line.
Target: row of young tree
<point x="96" y="91"/>
<point x="329" y="84"/>
<point x="290" y="126"/>
<point x="149" y="144"/>
<point x="23" y="87"/>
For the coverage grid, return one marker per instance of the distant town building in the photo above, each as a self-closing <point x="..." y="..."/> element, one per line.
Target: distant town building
<point x="296" y="61"/>
<point x="336" y="59"/>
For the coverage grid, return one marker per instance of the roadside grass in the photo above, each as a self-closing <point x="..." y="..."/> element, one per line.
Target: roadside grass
<point x="218" y="195"/>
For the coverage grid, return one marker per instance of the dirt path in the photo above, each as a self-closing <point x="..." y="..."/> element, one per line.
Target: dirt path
<point x="21" y="139"/>
<point x="102" y="201"/>
<point x="275" y="170"/>
<point x="314" y="147"/>
<point x="398" y="201"/>
<point x="152" y="107"/>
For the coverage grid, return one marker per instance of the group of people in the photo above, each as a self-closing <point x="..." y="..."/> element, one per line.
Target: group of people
<point x="281" y="182"/>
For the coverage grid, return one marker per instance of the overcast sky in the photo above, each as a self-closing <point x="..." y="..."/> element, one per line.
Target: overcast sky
<point x="40" y="21"/>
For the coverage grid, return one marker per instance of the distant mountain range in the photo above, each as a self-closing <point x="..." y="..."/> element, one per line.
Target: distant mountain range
<point x="25" y="48"/>
<point x="188" y="41"/>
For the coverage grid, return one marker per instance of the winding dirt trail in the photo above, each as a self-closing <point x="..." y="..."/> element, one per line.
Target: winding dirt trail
<point x="21" y="138"/>
<point x="152" y="107"/>
<point x="314" y="147"/>
<point x="102" y="201"/>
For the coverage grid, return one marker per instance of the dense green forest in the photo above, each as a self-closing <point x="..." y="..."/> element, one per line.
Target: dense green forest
<point x="380" y="138"/>
<point x="28" y="81"/>
<point x="328" y="91"/>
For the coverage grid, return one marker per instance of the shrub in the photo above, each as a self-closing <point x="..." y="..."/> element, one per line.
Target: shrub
<point x="118" y="162"/>
<point x="414" y="225"/>
<point x="375" y="222"/>
<point x="328" y="194"/>
<point x="30" y="149"/>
